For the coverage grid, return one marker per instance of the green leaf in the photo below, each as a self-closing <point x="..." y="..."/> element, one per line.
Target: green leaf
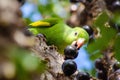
<point x="26" y="63"/>
<point x="101" y="19"/>
<point x="107" y="34"/>
<point x="116" y="17"/>
<point x="51" y="9"/>
<point x="95" y="55"/>
<point x="117" y="47"/>
<point x="30" y="63"/>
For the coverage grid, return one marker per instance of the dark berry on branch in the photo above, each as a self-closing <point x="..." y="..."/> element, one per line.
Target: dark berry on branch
<point x="83" y="76"/>
<point x="114" y="25"/>
<point x="74" y="1"/>
<point x="88" y="29"/>
<point x="69" y="67"/>
<point x="89" y="0"/>
<point x="115" y="75"/>
<point x="21" y="1"/>
<point x="99" y="64"/>
<point x="116" y="5"/>
<point x="101" y="75"/>
<point x="109" y="2"/>
<point x="116" y="66"/>
<point x="70" y="52"/>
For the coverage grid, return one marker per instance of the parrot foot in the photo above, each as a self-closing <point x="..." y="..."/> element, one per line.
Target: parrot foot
<point x="41" y="36"/>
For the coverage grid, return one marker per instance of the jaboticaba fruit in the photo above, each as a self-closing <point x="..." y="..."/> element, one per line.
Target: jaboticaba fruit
<point x="115" y="75"/>
<point x="99" y="64"/>
<point x="83" y="76"/>
<point x="75" y="1"/>
<point x="88" y="29"/>
<point x="101" y="75"/>
<point x="116" y="5"/>
<point x="70" y="52"/>
<point x="21" y="1"/>
<point x="69" y="67"/>
<point x="116" y="66"/>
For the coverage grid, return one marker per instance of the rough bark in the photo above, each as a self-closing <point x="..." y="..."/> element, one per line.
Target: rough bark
<point x="54" y="59"/>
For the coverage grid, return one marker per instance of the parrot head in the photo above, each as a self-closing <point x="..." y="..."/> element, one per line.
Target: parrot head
<point x="80" y="37"/>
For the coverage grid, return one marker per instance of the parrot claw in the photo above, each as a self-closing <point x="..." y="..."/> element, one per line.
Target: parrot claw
<point x="78" y="43"/>
<point x="42" y="36"/>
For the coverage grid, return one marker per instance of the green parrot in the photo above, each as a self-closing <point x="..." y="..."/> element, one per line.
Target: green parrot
<point x="59" y="34"/>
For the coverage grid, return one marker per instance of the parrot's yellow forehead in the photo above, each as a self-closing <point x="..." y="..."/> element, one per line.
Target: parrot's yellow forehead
<point x="40" y="23"/>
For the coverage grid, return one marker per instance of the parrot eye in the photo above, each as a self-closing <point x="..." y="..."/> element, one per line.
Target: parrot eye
<point x="76" y="33"/>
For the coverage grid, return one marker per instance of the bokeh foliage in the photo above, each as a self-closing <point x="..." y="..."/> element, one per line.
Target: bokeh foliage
<point x="108" y="36"/>
<point x="53" y="8"/>
<point x="25" y="63"/>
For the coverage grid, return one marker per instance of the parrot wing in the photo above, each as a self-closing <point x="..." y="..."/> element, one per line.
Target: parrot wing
<point x="45" y="23"/>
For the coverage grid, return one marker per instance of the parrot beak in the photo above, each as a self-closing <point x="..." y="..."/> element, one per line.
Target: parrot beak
<point x="78" y="43"/>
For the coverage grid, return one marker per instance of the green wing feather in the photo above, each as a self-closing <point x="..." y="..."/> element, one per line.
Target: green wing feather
<point x="45" y="23"/>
